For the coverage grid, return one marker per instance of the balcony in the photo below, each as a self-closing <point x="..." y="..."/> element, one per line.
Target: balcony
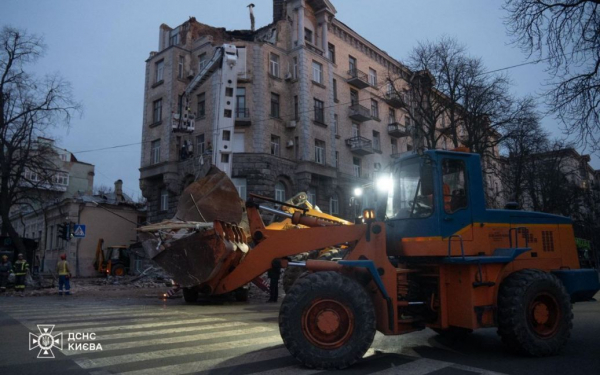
<point x="360" y="145"/>
<point x="359" y="113"/>
<point x="393" y="99"/>
<point x="358" y="78"/>
<point x="398" y="130"/>
<point x="242" y="117"/>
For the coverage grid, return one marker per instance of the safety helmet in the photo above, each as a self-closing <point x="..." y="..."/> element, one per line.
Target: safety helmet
<point x="4" y="257"/>
<point x="63" y="256"/>
<point x="20" y="255"/>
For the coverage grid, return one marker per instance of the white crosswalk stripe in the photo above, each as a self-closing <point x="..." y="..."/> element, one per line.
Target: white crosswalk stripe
<point x="156" y="332"/>
<point x="174" y="340"/>
<point x="53" y="320"/>
<point x="87" y="327"/>
<point x="138" y="357"/>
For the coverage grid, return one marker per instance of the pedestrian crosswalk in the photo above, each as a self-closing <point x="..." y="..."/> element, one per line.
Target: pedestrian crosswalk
<point x="138" y="339"/>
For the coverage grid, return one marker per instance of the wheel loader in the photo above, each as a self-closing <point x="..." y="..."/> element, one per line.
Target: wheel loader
<point x="427" y="254"/>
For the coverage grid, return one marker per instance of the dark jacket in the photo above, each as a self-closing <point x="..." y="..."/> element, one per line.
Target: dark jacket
<point x="5" y="267"/>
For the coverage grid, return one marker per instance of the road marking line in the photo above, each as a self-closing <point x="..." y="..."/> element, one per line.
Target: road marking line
<point x="296" y="369"/>
<point x="139" y="357"/>
<point x="420" y="366"/>
<point x="129" y="323"/>
<point x="477" y="370"/>
<point x="153" y="333"/>
<point x="175" y="340"/>
<point x="212" y="364"/>
<point x="95" y="317"/>
<point x="71" y="313"/>
<point x="140" y="325"/>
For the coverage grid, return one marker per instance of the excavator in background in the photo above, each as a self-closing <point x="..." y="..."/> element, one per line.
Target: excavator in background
<point x="114" y="260"/>
<point x="426" y="254"/>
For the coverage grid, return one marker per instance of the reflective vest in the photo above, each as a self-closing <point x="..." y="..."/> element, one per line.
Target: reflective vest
<point x="21" y="267"/>
<point x="62" y="268"/>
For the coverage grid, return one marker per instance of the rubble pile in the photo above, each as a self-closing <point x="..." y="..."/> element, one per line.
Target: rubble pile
<point x="158" y="237"/>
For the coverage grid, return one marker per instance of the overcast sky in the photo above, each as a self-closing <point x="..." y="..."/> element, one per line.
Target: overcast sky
<point x="101" y="46"/>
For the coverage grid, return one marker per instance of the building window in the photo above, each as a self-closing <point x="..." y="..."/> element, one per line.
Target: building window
<point x="372" y="77"/>
<point x="319" y="151"/>
<point x="374" y="109"/>
<point x="224" y="158"/>
<point x="201" y="105"/>
<point x="312" y="196"/>
<point x="337" y="159"/>
<point x="240" y="103"/>
<point x="319" y="111"/>
<point x="226" y="135"/>
<point x="295" y="67"/>
<point x="335" y="124"/>
<point x="164" y="200"/>
<point x="200" y="145"/>
<point x="308" y="35"/>
<point x="274" y="65"/>
<point x="353" y="97"/>
<point x="241" y="187"/>
<point x="392" y="116"/>
<point x="355" y="130"/>
<point x="409" y="147"/>
<point x="352" y="65"/>
<point x="174" y="37"/>
<point x="394" y="143"/>
<point x="356" y="167"/>
<point x="274" y="105"/>
<point x="376" y="141"/>
<point x="334" y="205"/>
<point x="280" y="192"/>
<point x="335" y="96"/>
<point x="296" y="113"/>
<point x="155" y="152"/>
<point x="180" y="67"/>
<point x="275" y="142"/>
<point x="331" y="52"/>
<point x="297" y="147"/>
<point x="157" y="111"/>
<point x="160" y="68"/>
<point x="407" y="121"/>
<point x="317" y="72"/>
<point x="202" y="61"/>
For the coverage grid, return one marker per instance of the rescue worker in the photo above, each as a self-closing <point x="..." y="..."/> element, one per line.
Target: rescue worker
<point x="274" y="274"/>
<point x="20" y="269"/>
<point x="5" y="270"/>
<point x="64" y="275"/>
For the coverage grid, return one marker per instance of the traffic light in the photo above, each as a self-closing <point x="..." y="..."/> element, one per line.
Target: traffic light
<point x="64" y="231"/>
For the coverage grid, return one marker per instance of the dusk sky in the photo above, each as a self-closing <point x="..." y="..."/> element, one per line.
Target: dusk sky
<point x="101" y="46"/>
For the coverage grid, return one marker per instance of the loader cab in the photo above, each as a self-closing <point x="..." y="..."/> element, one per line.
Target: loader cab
<point x="431" y="195"/>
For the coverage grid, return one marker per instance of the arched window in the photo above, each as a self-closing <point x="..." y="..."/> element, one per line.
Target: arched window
<point x="334" y="204"/>
<point x="280" y="192"/>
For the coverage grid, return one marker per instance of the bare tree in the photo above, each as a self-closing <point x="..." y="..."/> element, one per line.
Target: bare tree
<point x="29" y="106"/>
<point x="566" y="33"/>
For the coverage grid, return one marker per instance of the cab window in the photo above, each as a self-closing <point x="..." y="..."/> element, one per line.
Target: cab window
<point x="454" y="185"/>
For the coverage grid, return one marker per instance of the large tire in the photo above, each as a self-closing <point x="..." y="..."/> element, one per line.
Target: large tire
<point x="534" y="313"/>
<point x="190" y="295"/>
<point x="118" y="270"/>
<point x="290" y="275"/>
<point x="327" y="321"/>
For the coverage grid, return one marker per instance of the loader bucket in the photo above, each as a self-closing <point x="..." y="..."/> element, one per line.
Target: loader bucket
<point x="213" y="197"/>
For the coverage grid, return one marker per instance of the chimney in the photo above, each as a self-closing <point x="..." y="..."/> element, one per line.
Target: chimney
<point x="251" y="16"/>
<point x="278" y="9"/>
<point x="119" y="190"/>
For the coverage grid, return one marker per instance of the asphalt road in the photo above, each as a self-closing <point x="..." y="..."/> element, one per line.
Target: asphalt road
<point x="149" y="336"/>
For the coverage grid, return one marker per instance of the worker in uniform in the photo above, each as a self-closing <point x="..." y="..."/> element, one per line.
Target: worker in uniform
<point x="274" y="274"/>
<point x="64" y="275"/>
<point x="20" y="269"/>
<point x="5" y="270"/>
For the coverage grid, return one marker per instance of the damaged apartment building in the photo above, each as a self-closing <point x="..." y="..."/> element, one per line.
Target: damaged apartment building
<point x="312" y="111"/>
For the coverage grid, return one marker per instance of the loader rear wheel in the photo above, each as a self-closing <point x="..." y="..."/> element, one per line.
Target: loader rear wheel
<point x="290" y="275"/>
<point x="534" y="313"/>
<point x="327" y="320"/>
<point x="190" y="295"/>
<point x="118" y="270"/>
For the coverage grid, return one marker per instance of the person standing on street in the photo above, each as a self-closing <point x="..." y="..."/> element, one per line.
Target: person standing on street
<point x="64" y="275"/>
<point x="5" y="270"/>
<point x="20" y="270"/>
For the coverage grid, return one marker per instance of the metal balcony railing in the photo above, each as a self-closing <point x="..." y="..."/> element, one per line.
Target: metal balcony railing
<point x="360" y="145"/>
<point x="359" y="113"/>
<point x="358" y="78"/>
<point x="396" y="129"/>
<point x="242" y="117"/>
<point x="393" y="99"/>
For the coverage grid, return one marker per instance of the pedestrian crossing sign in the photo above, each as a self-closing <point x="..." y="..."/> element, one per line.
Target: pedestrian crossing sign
<point x="79" y="231"/>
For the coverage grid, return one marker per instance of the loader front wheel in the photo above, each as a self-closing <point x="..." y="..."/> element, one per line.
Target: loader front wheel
<point x="190" y="295"/>
<point x="534" y="313"/>
<point x="290" y="275"/>
<point x="327" y="320"/>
